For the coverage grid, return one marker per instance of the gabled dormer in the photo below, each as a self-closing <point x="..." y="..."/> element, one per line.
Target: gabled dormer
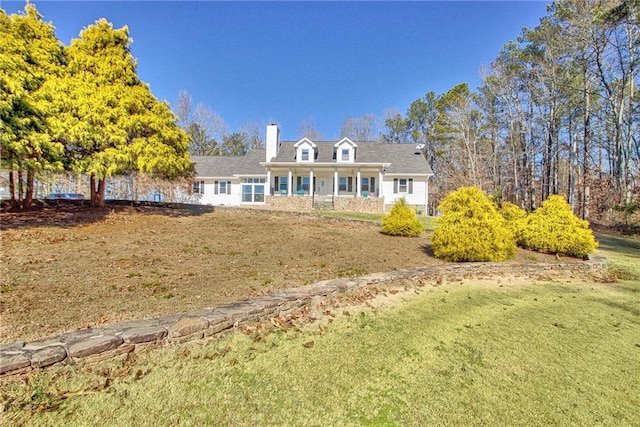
<point x="344" y="151"/>
<point x="306" y="151"/>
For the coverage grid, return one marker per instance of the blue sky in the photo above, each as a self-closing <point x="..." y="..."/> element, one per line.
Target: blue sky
<point x="290" y="61"/>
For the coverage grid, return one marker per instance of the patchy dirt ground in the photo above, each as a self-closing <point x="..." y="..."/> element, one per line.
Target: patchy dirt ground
<point x="69" y="266"/>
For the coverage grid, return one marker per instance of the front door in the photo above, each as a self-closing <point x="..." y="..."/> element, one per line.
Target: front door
<point x="323" y="186"/>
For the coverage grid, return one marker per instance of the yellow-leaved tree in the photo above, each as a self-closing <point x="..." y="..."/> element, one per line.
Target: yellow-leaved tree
<point x="31" y="60"/>
<point x="402" y="221"/>
<point x="553" y="228"/>
<point x="111" y="122"/>
<point x="515" y="217"/>
<point x="471" y="229"/>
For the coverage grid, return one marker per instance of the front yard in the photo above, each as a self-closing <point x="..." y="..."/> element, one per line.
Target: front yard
<point x="71" y="267"/>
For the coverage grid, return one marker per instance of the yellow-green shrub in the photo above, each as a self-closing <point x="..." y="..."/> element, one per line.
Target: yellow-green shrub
<point x="402" y="221"/>
<point x="553" y="228"/>
<point x="515" y="217"/>
<point x="471" y="229"/>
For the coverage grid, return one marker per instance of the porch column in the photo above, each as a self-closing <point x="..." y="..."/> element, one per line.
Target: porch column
<point x="335" y="182"/>
<point x="358" y="186"/>
<point x="269" y="192"/>
<point x="311" y="186"/>
<point x="380" y="186"/>
<point x="289" y="183"/>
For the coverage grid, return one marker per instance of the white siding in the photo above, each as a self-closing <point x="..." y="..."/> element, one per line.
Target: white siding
<point x="417" y="198"/>
<point x="210" y="198"/>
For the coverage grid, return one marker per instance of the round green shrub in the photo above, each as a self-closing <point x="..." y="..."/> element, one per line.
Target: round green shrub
<point x="515" y="217"/>
<point x="554" y="229"/>
<point x="471" y="229"/>
<point x="402" y="221"/>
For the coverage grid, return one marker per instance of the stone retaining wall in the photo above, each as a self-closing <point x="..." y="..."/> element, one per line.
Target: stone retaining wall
<point x="96" y="344"/>
<point x="359" y="204"/>
<point x="293" y="203"/>
<point x="305" y="203"/>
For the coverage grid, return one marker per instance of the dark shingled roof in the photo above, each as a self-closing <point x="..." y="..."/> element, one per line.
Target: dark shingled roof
<point x="216" y="166"/>
<point x="251" y="163"/>
<point x="402" y="159"/>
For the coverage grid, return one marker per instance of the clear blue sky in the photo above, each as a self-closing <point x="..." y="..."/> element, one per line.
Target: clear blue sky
<point x="289" y="61"/>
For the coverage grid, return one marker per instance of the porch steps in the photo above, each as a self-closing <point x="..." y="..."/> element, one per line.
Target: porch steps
<point x="323" y="203"/>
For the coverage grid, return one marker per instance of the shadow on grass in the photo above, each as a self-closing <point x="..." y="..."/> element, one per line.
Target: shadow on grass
<point x="72" y="213"/>
<point x="621" y="244"/>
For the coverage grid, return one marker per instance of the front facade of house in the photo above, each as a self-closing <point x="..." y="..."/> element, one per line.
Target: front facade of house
<point x="305" y="174"/>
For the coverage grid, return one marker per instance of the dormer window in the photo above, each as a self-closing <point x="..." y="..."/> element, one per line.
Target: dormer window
<point x="344" y="151"/>
<point x="305" y="150"/>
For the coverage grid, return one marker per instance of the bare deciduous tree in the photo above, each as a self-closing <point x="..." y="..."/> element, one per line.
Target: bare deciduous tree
<point x="308" y="129"/>
<point x="363" y="128"/>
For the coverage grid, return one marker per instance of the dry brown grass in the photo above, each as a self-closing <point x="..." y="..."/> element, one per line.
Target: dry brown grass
<point x="73" y="267"/>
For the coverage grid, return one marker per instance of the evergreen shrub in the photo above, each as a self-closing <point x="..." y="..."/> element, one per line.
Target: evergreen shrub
<point x="471" y="229"/>
<point x="402" y="221"/>
<point x="554" y="229"/>
<point x="515" y="217"/>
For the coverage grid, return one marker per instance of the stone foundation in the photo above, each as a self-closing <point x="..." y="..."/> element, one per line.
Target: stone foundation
<point x="359" y="204"/>
<point x="110" y="341"/>
<point x="293" y="203"/>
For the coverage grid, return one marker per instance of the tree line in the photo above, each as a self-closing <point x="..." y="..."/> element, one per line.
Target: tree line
<point x="79" y="109"/>
<point x="558" y="112"/>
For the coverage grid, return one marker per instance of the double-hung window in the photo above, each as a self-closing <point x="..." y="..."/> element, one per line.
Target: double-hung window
<point x="305" y="154"/>
<point x="345" y="184"/>
<point x="368" y="185"/>
<point x="345" y="154"/>
<point x="222" y="187"/>
<point x="403" y="185"/>
<point x="365" y="184"/>
<point x="198" y="187"/>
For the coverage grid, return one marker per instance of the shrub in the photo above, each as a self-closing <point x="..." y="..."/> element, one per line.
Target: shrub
<point x="515" y="217"/>
<point x="471" y="229"/>
<point x="553" y="228"/>
<point x="402" y="221"/>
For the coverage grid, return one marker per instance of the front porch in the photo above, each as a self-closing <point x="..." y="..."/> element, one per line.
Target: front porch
<point x="335" y="182"/>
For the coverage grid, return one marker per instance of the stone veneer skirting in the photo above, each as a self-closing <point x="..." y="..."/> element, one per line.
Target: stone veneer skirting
<point x="293" y="203"/>
<point x="359" y="204"/>
<point x="96" y="344"/>
<point x="346" y="204"/>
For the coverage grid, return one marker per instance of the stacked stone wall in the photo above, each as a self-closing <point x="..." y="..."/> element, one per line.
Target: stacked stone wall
<point x="359" y="204"/>
<point x="293" y="203"/>
<point x="110" y="341"/>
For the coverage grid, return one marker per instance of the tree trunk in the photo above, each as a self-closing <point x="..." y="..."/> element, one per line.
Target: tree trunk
<point x="28" y="200"/>
<point x="12" y="189"/>
<point x="586" y="137"/>
<point x="100" y="192"/>
<point x="571" y="180"/>
<point x="20" y="189"/>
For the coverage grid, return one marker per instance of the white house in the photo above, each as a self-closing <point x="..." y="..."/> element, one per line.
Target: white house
<point x="305" y="174"/>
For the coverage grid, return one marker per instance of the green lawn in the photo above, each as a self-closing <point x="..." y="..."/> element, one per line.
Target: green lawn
<point x="485" y="352"/>
<point x="428" y="221"/>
